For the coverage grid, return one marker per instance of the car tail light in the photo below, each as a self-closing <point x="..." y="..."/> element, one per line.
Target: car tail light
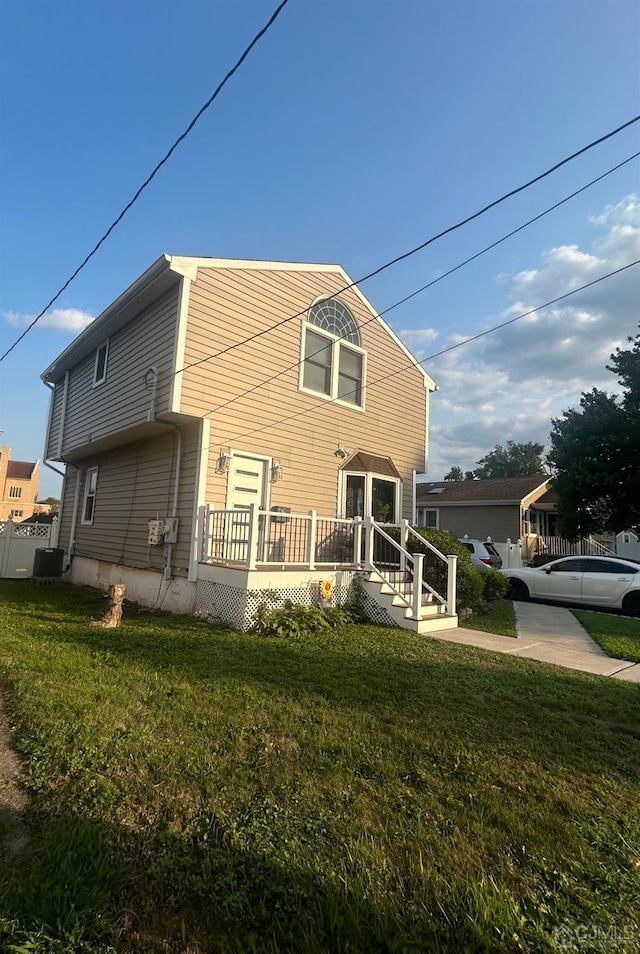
<point x="487" y="560"/>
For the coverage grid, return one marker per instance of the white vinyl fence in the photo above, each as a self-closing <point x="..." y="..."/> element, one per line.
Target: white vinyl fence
<point x="18" y="545"/>
<point x="510" y="552"/>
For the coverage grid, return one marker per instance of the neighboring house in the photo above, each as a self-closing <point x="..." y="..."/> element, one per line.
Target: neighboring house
<point x="504" y="508"/>
<point x="628" y="545"/>
<point x="179" y="487"/>
<point x="44" y="518"/>
<point x="19" y="482"/>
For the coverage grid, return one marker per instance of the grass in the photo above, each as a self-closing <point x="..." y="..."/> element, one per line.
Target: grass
<point x="198" y="790"/>
<point x="499" y="617"/>
<point x="618" y="636"/>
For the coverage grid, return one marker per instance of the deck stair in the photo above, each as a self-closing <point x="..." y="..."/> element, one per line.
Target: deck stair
<point x="390" y="571"/>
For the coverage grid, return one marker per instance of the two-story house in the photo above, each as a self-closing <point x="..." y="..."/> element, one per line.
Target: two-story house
<point x="222" y="423"/>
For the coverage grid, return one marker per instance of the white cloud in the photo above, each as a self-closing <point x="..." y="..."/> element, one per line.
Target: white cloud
<point x="508" y="385"/>
<point x="70" y="320"/>
<point x="418" y="340"/>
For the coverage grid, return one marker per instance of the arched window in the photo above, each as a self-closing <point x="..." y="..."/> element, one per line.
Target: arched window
<point x="332" y="316"/>
<point x="333" y="360"/>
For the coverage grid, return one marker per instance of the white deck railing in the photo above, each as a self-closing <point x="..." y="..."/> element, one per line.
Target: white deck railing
<point x="251" y="538"/>
<point x="254" y="539"/>
<point x="557" y="546"/>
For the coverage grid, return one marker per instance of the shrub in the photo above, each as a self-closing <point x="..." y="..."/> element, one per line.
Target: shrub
<point x="469" y="592"/>
<point x="494" y="585"/>
<point x="295" y="619"/>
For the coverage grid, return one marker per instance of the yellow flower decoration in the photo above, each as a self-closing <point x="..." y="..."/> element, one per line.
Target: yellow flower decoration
<point x="326" y="589"/>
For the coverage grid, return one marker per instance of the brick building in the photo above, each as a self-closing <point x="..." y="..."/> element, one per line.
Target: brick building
<point x="19" y="482"/>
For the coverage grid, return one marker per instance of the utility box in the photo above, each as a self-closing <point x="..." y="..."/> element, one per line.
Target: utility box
<point x="156" y="532"/>
<point x="171" y="530"/>
<point x="48" y="563"/>
<point x="281" y="510"/>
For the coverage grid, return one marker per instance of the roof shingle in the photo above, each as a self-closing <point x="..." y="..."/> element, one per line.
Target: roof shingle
<point x="507" y="489"/>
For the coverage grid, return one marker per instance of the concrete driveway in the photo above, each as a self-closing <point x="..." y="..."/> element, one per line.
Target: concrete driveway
<point x="549" y="634"/>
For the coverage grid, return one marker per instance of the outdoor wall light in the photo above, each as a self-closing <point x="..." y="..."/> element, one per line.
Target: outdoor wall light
<point x="341" y="452"/>
<point x="277" y="472"/>
<point x="223" y="462"/>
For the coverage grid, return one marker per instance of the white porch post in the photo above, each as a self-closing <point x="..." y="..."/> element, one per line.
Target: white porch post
<point x="357" y="541"/>
<point x="452" y="565"/>
<point x="203" y="521"/>
<point x="252" y="539"/>
<point x="404" y="536"/>
<point x="418" y="569"/>
<point x="313" y="536"/>
<point x="368" y="543"/>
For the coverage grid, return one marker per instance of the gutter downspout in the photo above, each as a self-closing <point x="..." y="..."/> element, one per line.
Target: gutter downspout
<point x="46" y="463"/>
<point x="151" y="417"/>
<point x="63" y="413"/>
<point x="153" y="371"/>
<point x="168" y="574"/>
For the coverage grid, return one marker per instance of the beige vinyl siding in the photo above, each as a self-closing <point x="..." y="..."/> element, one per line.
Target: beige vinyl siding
<point x="57" y="396"/>
<point x="123" y="400"/>
<point x="227" y="305"/>
<point x="135" y="485"/>
<point x="497" y="522"/>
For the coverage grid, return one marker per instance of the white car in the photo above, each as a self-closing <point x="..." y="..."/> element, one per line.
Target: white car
<point x="593" y="580"/>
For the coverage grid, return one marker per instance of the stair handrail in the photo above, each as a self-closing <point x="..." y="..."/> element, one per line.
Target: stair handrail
<point x="601" y="549"/>
<point x="375" y="527"/>
<point x="424" y="542"/>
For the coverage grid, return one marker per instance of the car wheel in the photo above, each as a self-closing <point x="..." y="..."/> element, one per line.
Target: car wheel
<point x="631" y="604"/>
<point x="517" y="590"/>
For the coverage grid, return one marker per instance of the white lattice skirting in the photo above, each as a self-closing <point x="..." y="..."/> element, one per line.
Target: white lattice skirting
<point x="220" y="602"/>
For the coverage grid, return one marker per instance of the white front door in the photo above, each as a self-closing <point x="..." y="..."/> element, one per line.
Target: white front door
<point x="247" y="484"/>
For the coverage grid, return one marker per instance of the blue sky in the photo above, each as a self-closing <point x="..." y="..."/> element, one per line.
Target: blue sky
<point x="354" y="131"/>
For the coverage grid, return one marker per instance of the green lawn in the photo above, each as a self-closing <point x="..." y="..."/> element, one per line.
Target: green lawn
<point x="499" y="617"/>
<point x="618" y="636"/>
<point x="198" y="790"/>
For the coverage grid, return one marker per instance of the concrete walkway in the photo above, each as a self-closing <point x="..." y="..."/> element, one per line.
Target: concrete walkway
<point x="548" y="634"/>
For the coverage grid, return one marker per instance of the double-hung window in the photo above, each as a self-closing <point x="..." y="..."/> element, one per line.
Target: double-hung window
<point x="90" y="488"/>
<point x="333" y="360"/>
<point x="428" y="518"/>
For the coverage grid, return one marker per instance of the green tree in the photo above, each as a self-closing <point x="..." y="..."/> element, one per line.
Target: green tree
<point x="469" y="475"/>
<point x="454" y="474"/>
<point x="595" y="454"/>
<point x="514" y="460"/>
<point x="52" y="502"/>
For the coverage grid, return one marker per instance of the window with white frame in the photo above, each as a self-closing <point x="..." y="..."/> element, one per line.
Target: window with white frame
<point x="371" y="495"/>
<point x="15" y="492"/>
<point x="428" y="518"/>
<point x="16" y="513"/>
<point x="90" y="488"/>
<point x="333" y="360"/>
<point x="100" y="368"/>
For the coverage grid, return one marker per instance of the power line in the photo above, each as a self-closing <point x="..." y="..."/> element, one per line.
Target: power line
<point x="459" y="344"/>
<point x="487" y="248"/>
<point x="418" y="248"/>
<point x="144" y="185"/>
